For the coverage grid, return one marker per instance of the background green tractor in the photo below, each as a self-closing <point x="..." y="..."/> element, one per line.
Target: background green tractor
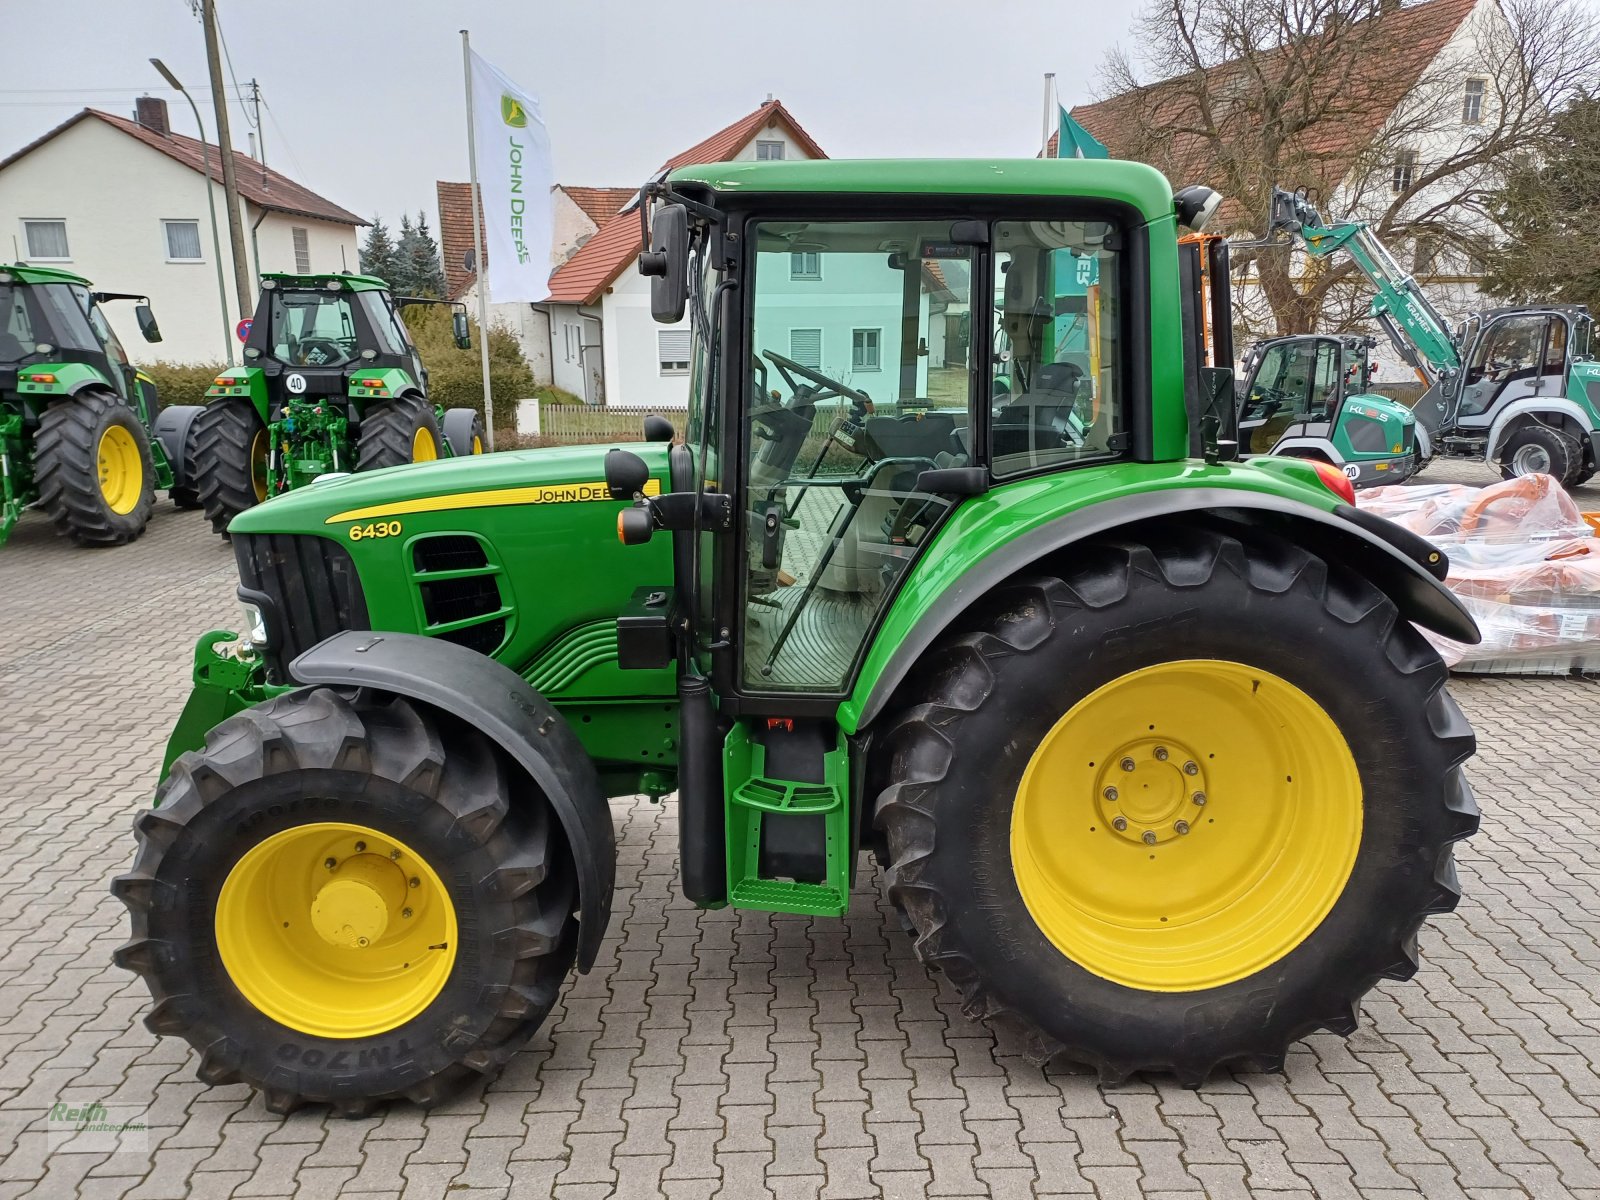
<point x="1307" y="396"/>
<point x="1035" y="647"/>
<point x="75" y="414"/>
<point x="332" y="383"/>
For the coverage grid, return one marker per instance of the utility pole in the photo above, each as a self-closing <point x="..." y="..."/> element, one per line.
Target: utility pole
<point x="261" y="131"/>
<point x="230" y="181"/>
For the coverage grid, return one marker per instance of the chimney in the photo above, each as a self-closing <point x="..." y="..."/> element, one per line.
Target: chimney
<point x="151" y="112"/>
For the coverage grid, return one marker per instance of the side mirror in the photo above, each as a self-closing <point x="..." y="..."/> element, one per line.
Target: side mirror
<point x="626" y="474"/>
<point x="667" y="262"/>
<point x="458" y="324"/>
<point x="147" y="322"/>
<point x="1219" y="415"/>
<point x="658" y="429"/>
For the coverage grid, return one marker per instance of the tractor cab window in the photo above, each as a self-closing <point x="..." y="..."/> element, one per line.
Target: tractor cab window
<point x="17" y="339"/>
<point x="313" y="328"/>
<point x="837" y="437"/>
<point x="60" y="316"/>
<point x="1056" y="382"/>
<point x="103" y="330"/>
<point x="1297" y="380"/>
<point x="386" y="324"/>
<point x="1508" y="350"/>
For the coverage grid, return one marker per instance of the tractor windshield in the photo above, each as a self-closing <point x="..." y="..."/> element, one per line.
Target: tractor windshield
<point x="48" y="314"/>
<point x="313" y="328"/>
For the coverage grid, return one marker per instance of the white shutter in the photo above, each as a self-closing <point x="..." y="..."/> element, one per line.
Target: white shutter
<point x="805" y="347"/>
<point x="302" y="250"/>
<point x="672" y="351"/>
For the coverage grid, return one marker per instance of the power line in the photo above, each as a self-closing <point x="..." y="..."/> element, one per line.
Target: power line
<point x="245" y="108"/>
<point x="283" y="140"/>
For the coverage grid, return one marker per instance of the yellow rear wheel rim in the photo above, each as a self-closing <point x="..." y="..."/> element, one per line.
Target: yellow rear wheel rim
<point x="423" y="447"/>
<point x="477" y="444"/>
<point x="343" y="951"/>
<point x="1186" y="825"/>
<point x="121" y="470"/>
<point x="258" y="464"/>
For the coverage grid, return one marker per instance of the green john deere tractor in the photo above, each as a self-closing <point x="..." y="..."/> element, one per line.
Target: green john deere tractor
<point x="1307" y="396"/>
<point x="331" y="384"/>
<point x="75" y="414"/>
<point x="1036" y="649"/>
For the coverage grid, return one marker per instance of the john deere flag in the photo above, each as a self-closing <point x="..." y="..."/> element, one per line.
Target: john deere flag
<point x="514" y="178"/>
<point x="1074" y="141"/>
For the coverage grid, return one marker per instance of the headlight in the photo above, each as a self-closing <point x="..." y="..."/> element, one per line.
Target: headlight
<point x="255" y="624"/>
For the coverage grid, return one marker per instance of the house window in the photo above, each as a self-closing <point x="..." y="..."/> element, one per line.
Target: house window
<point x="572" y="340"/>
<point x="864" y="349"/>
<point x="47" y="240"/>
<point x="183" y="240"/>
<point x="672" y="351"/>
<point x="1405" y="170"/>
<point x="769" y="151"/>
<point x="805" y="264"/>
<point x="805" y="347"/>
<point x="302" y="251"/>
<point x="1472" y="102"/>
<point x="1425" y="260"/>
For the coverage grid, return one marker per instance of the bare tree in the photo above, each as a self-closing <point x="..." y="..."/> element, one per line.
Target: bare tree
<point x="1363" y="102"/>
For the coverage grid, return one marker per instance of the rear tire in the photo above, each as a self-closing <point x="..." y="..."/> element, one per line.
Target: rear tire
<point x="230" y="460"/>
<point x="310" y="761"/>
<point x="95" y="475"/>
<point x="398" y="431"/>
<point x="464" y="431"/>
<point x="1541" y="450"/>
<point x="987" y="697"/>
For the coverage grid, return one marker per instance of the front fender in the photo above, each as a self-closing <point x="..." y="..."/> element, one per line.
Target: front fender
<point x="1409" y="570"/>
<point x="499" y="703"/>
<point x="1533" y="406"/>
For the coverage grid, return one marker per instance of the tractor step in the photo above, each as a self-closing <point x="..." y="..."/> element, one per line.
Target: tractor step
<point x="788" y="839"/>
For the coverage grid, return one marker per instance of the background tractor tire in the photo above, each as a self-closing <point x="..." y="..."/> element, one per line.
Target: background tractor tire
<point x="398" y="431"/>
<point x="463" y="430"/>
<point x="230" y="460"/>
<point x="229" y="938"/>
<point x="175" y="429"/>
<point x="1539" y="449"/>
<point x="953" y="773"/>
<point x="95" y="476"/>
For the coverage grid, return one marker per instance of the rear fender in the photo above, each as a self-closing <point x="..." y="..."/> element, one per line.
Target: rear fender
<point x="68" y="379"/>
<point x="1542" y="410"/>
<point x="1405" y="567"/>
<point x="250" y="382"/>
<point x="500" y="704"/>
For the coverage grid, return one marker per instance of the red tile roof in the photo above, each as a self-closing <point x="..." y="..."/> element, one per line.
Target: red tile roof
<point x="600" y="204"/>
<point x="259" y="185"/>
<point x="584" y="277"/>
<point x="455" y="236"/>
<point x="1404" y="41"/>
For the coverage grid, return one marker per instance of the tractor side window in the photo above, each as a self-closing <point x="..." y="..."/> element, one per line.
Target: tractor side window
<point x="1056" y="383"/>
<point x="859" y="376"/>
<point x="1555" y="353"/>
<point x="385" y="324"/>
<point x="103" y="330"/>
<point x="312" y="329"/>
<point x="65" y="310"/>
<point x="1509" y="349"/>
<point x="1324" y="392"/>
<point x="16" y="330"/>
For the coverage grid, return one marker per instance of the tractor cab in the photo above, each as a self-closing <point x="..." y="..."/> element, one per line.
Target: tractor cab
<point x="1308" y="396"/>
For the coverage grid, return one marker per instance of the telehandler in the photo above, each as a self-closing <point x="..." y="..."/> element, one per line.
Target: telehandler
<point x="1044" y="654"/>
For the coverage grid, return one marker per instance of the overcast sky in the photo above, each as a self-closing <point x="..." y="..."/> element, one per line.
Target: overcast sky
<point x="368" y="99"/>
<point x="365" y="97"/>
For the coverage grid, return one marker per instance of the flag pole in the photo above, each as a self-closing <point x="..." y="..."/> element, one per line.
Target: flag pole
<point x="477" y="245"/>
<point x="1049" y="88"/>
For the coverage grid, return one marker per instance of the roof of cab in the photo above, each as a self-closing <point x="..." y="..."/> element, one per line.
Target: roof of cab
<point x="354" y="283"/>
<point x="1131" y="183"/>
<point x="24" y="273"/>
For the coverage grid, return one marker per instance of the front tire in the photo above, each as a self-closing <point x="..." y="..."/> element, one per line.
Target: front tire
<point x="1541" y="450"/>
<point x="464" y="431"/>
<point x="95" y="475"/>
<point x="230" y="460"/>
<point x="1140" y="675"/>
<point x="398" y="431"/>
<point x="349" y="902"/>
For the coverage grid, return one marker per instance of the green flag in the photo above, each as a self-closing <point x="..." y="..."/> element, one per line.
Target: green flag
<point x="1074" y="141"/>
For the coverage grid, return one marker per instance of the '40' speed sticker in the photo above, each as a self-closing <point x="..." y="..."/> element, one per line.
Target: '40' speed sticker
<point x="374" y="529"/>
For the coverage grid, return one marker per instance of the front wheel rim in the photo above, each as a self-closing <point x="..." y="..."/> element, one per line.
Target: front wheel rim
<point x="1186" y="825"/>
<point x="347" y="950"/>
<point x="120" y="470"/>
<point x="258" y="464"/>
<point x="423" y="447"/>
<point x="1531" y="460"/>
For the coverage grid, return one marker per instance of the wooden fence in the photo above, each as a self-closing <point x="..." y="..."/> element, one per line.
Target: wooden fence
<point x="581" y="424"/>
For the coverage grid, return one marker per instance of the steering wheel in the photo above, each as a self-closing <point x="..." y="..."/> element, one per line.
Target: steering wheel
<point x="335" y="354"/>
<point x="788" y="368"/>
<point x="1264" y="401"/>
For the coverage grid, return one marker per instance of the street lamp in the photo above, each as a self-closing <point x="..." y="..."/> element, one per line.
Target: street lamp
<point x="216" y="241"/>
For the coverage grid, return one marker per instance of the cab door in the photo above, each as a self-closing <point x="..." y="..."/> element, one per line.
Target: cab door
<point x="1516" y="356"/>
<point x="1295" y="390"/>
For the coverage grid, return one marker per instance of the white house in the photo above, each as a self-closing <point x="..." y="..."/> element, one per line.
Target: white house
<point x="595" y="337"/>
<point x="123" y="203"/>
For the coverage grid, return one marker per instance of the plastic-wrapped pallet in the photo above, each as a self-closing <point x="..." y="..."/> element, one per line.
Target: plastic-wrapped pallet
<point x="1523" y="560"/>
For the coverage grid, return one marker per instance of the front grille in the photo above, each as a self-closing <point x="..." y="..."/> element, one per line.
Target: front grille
<point x="307" y="588"/>
<point x="448" y="552"/>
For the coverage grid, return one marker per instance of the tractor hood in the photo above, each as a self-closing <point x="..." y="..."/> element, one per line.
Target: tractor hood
<point x="514" y="555"/>
<point x="560" y="475"/>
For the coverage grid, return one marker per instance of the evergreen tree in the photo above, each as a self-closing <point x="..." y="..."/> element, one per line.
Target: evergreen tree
<point x="1549" y="207"/>
<point x="423" y="267"/>
<point x="401" y="282"/>
<point x="378" y="252"/>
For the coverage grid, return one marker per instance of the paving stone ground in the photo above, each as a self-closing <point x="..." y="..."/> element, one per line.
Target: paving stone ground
<point x="746" y="1055"/>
